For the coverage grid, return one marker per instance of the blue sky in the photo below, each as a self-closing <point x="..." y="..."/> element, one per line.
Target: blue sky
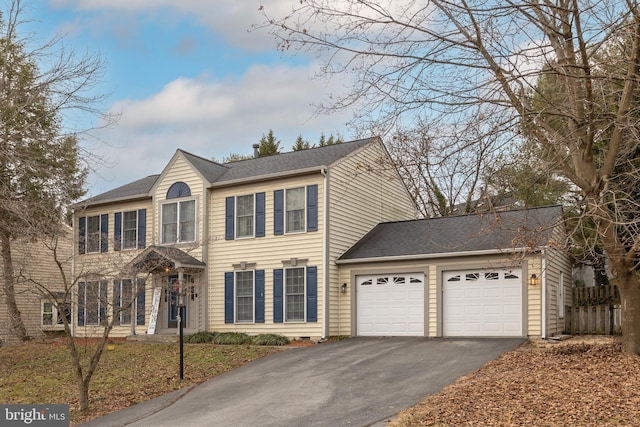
<point x="187" y="74"/>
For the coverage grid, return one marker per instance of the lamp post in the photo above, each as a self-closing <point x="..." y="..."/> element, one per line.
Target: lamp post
<point x="181" y="293"/>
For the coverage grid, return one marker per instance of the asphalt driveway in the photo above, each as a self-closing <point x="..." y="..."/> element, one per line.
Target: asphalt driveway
<point x="355" y="382"/>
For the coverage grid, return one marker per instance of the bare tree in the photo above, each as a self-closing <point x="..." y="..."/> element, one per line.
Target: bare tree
<point x="447" y="60"/>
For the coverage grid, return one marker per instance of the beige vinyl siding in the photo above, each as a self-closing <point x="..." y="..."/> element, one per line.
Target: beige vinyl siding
<point x="364" y="190"/>
<point x="558" y="261"/>
<point x="108" y="265"/>
<point x="180" y="170"/>
<point x="534" y="300"/>
<point x="34" y="260"/>
<point x="264" y="253"/>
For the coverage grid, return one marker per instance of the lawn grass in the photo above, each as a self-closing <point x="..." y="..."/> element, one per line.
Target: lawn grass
<point x="41" y="372"/>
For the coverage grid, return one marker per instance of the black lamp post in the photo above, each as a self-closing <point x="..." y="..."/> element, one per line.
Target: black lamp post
<point x="181" y="327"/>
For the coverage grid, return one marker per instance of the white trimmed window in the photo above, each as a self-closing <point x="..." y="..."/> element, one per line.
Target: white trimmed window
<point x="245" y="216"/>
<point x="179" y="222"/>
<point x="294" y="294"/>
<point x="124" y="301"/>
<point x="245" y="304"/>
<point x="51" y="318"/>
<point x="130" y="230"/>
<point x="295" y="209"/>
<point x="93" y="234"/>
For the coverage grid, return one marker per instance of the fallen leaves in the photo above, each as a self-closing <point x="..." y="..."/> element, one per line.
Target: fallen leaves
<point x="568" y="384"/>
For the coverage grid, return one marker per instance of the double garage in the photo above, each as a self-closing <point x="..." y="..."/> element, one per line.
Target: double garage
<point x="474" y="303"/>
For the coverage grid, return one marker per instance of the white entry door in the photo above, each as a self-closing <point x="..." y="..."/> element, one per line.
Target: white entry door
<point x="482" y="303"/>
<point x="390" y="305"/>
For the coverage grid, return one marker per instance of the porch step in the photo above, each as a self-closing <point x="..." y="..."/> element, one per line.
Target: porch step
<point x="154" y="338"/>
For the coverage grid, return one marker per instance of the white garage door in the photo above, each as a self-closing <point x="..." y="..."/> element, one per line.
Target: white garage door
<point x="482" y="303"/>
<point x="390" y="305"/>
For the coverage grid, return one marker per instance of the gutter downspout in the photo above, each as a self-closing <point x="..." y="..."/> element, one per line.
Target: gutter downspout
<point x="543" y="290"/>
<point x="325" y="253"/>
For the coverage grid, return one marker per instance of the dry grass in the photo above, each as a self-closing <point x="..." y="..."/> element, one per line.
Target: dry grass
<point x="578" y="382"/>
<point x="41" y="372"/>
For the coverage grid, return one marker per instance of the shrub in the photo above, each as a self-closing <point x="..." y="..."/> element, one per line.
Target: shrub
<point x="270" y="339"/>
<point x="200" y="337"/>
<point x="232" y="338"/>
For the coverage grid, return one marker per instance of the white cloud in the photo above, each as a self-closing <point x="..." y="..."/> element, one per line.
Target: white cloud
<point x="212" y="118"/>
<point x="232" y="19"/>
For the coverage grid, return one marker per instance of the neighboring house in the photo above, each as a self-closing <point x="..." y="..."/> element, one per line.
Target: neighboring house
<point x="490" y="274"/>
<point x="38" y="282"/>
<point x="247" y="246"/>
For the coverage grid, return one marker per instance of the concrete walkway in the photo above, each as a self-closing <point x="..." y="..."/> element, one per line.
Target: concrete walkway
<point x="355" y="382"/>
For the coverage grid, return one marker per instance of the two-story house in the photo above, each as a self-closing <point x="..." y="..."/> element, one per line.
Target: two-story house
<point x="312" y="243"/>
<point x="245" y="246"/>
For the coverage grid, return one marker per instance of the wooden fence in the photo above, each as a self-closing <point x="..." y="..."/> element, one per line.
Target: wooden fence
<point x="596" y="311"/>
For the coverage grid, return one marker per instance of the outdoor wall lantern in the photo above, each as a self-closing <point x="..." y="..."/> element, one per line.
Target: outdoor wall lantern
<point x="533" y="280"/>
<point x="343" y="288"/>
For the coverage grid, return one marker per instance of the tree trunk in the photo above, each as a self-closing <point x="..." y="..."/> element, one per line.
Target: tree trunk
<point x="16" y="324"/>
<point x="629" y="287"/>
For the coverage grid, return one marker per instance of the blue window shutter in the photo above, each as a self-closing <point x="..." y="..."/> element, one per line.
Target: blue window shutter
<point x="142" y="228"/>
<point x="229" y="218"/>
<point x="277" y="295"/>
<point x="116" y="301"/>
<point x="312" y="294"/>
<point x="81" y="303"/>
<point x="259" y="290"/>
<point x="260" y="214"/>
<point x="82" y="234"/>
<point x="140" y="301"/>
<point x="117" y="231"/>
<point x="228" y="297"/>
<point x="312" y="208"/>
<point x="104" y="233"/>
<point x="278" y="212"/>
<point x="103" y="302"/>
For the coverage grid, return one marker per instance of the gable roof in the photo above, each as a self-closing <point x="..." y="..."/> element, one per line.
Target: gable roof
<point x="159" y="257"/>
<point x="241" y="171"/>
<point x="507" y="230"/>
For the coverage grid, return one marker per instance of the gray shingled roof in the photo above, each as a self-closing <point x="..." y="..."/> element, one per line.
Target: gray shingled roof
<point x="242" y="170"/>
<point x="154" y="257"/>
<point x="291" y="161"/>
<point x="133" y="190"/>
<point x="526" y="228"/>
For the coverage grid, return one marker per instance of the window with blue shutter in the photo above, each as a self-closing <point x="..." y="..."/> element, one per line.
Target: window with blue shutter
<point x="277" y="295"/>
<point x="142" y="228"/>
<point x="278" y="212"/>
<point x="140" y="301"/>
<point x="81" y="303"/>
<point x="117" y="231"/>
<point x="228" y="297"/>
<point x="312" y="294"/>
<point x="82" y="234"/>
<point x="312" y="208"/>
<point x="229" y="214"/>
<point x="260" y="214"/>
<point x="259" y="296"/>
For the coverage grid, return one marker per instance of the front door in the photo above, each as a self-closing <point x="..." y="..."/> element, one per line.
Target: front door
<point x="173" y="301"/>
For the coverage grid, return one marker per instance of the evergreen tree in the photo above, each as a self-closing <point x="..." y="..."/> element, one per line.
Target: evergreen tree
<point x="301" y="144"/>
<point x="269" y="145"/>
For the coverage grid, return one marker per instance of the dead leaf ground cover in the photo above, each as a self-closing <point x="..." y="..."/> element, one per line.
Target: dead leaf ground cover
<point x="576" y="382"/>
<point x="41" y="372"/>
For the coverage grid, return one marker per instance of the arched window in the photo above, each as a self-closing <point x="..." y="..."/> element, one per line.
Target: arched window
<point x="178" y="189"/>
